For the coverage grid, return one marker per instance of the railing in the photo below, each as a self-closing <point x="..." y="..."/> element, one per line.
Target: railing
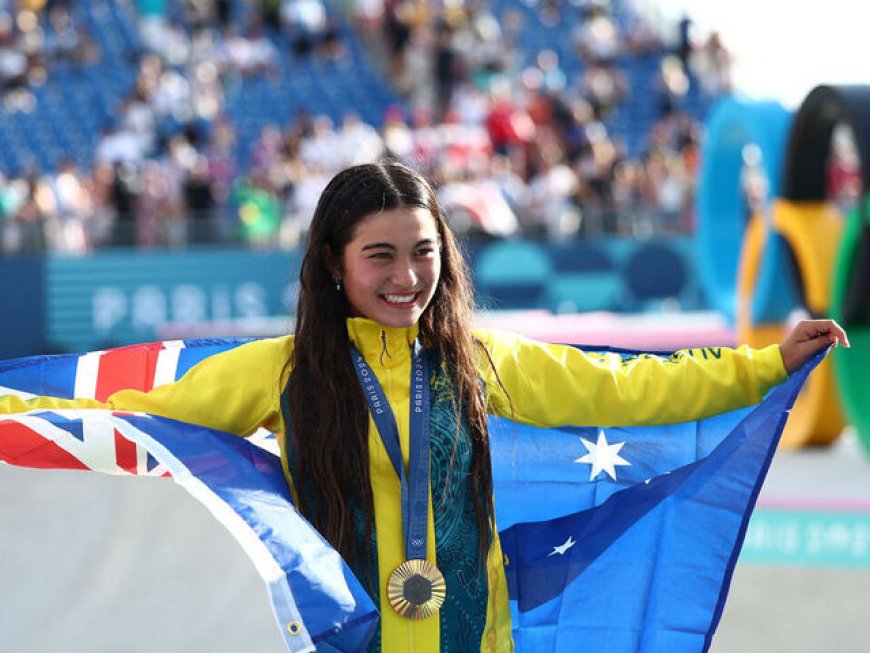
<point x="78" y="234"/>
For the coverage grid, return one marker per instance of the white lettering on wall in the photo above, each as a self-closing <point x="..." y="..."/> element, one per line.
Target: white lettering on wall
<point x="250" y="300"/>
<point x="109" y="308"/>
<point x="149" y="307"/>
<point x="189" y="304"/>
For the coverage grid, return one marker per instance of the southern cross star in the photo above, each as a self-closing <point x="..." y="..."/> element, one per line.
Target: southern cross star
<point x="563" y="547"/>
<point x="602" y="456"/>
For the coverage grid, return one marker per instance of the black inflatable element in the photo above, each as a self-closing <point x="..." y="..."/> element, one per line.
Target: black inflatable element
<point x="809" y="142"/>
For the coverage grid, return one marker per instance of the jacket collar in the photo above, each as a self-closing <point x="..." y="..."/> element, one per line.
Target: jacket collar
<point x="382" y="345"/>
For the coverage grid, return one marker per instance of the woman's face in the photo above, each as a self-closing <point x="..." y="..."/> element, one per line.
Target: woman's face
<point x="390" y="268"/>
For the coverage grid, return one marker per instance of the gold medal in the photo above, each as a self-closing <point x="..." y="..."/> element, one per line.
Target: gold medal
<point x="416" y="589"/>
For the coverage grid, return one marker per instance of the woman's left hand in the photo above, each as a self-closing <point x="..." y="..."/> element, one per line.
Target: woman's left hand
<point x="808" y="337"/>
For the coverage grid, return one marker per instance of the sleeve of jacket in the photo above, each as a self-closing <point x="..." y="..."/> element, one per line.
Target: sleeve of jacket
<point x="235" y="391"/>
<point x="560" y="385"/>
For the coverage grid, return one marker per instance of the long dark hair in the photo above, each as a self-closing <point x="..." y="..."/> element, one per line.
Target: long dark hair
<point x="328" y="413"/>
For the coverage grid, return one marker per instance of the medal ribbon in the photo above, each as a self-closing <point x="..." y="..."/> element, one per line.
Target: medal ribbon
<point x="415" y="484"/>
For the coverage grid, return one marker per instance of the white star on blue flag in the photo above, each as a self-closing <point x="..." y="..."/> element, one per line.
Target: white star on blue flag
<point x="603" y="457"/>
<point x="560" y="550"/>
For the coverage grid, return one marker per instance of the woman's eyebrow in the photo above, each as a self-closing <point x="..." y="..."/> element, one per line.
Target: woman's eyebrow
<point x="378" y="246"/>
<point x="425" y="241"/>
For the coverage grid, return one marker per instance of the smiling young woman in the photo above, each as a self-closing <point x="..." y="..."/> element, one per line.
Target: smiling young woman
<point x="381" y="397"/>
<point x="390" y="268"/>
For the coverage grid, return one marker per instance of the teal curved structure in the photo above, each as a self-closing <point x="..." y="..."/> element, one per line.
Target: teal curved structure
<point x="721" y="210"/>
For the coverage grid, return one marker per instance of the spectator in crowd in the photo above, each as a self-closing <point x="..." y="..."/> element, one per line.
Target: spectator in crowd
<point x="307" y="25"/>
<point x="596" y="37"/>
<point x="397" y="135"/>
<point x="117" y="144"/>
<point x="222" y="171"/>
<point x="320" y="148"/>
<point x="66" y="40"/>
<point x="712" y="65"/>
<point x="604" y="87"/>
<point x="152" y="207"/>
<point x="447" y="65"/>
<point x="509" y="125"/>
<point x="685" y="42"/>
<point x="67" y="228"/>
<point x="259" y="209"/>
<point x="123" y="196"/>
<point x="199" y="203"/>
<point x="11" y="241"/>
<point x="357" y="141"/>
<point x="20" y="54"/>
<point x="672" y="84"/>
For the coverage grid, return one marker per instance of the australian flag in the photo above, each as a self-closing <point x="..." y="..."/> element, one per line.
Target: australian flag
<point x="616" y="539"/>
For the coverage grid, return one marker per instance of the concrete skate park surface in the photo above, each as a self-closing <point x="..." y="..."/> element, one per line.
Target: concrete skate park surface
<point x="102" y="564"/>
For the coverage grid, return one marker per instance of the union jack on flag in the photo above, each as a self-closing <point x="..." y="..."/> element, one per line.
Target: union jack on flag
<point x="74" y="440"/>
<point x="77" y="439"/>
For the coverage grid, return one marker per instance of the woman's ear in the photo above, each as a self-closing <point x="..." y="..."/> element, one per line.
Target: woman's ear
<point x="333" y="265"/>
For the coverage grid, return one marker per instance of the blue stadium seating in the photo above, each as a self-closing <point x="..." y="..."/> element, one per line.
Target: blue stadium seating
<point x="78" y="100"/>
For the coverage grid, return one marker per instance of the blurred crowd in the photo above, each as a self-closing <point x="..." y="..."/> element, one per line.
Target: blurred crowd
<point x="514" y="147"/>
<point x="34" y="35"/>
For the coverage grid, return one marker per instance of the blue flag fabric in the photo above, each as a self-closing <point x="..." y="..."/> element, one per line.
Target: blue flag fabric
<point x="617" y="539"/>
<point x="639" y="554"/>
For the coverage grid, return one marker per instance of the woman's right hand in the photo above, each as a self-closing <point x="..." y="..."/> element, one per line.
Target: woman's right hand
<point x="807" y="337"/>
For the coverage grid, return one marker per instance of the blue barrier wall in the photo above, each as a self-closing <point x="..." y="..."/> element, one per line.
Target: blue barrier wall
<point x="117" y="298"/>
<point x="121" y="297"/>
<point x="616" y="274"/>
<point x="21" y="311"/>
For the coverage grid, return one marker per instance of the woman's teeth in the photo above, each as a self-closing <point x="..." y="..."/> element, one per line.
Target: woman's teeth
<point x="400" y="299"/>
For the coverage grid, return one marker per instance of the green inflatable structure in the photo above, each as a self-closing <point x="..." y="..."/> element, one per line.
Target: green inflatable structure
<point x="850" y="306"/>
